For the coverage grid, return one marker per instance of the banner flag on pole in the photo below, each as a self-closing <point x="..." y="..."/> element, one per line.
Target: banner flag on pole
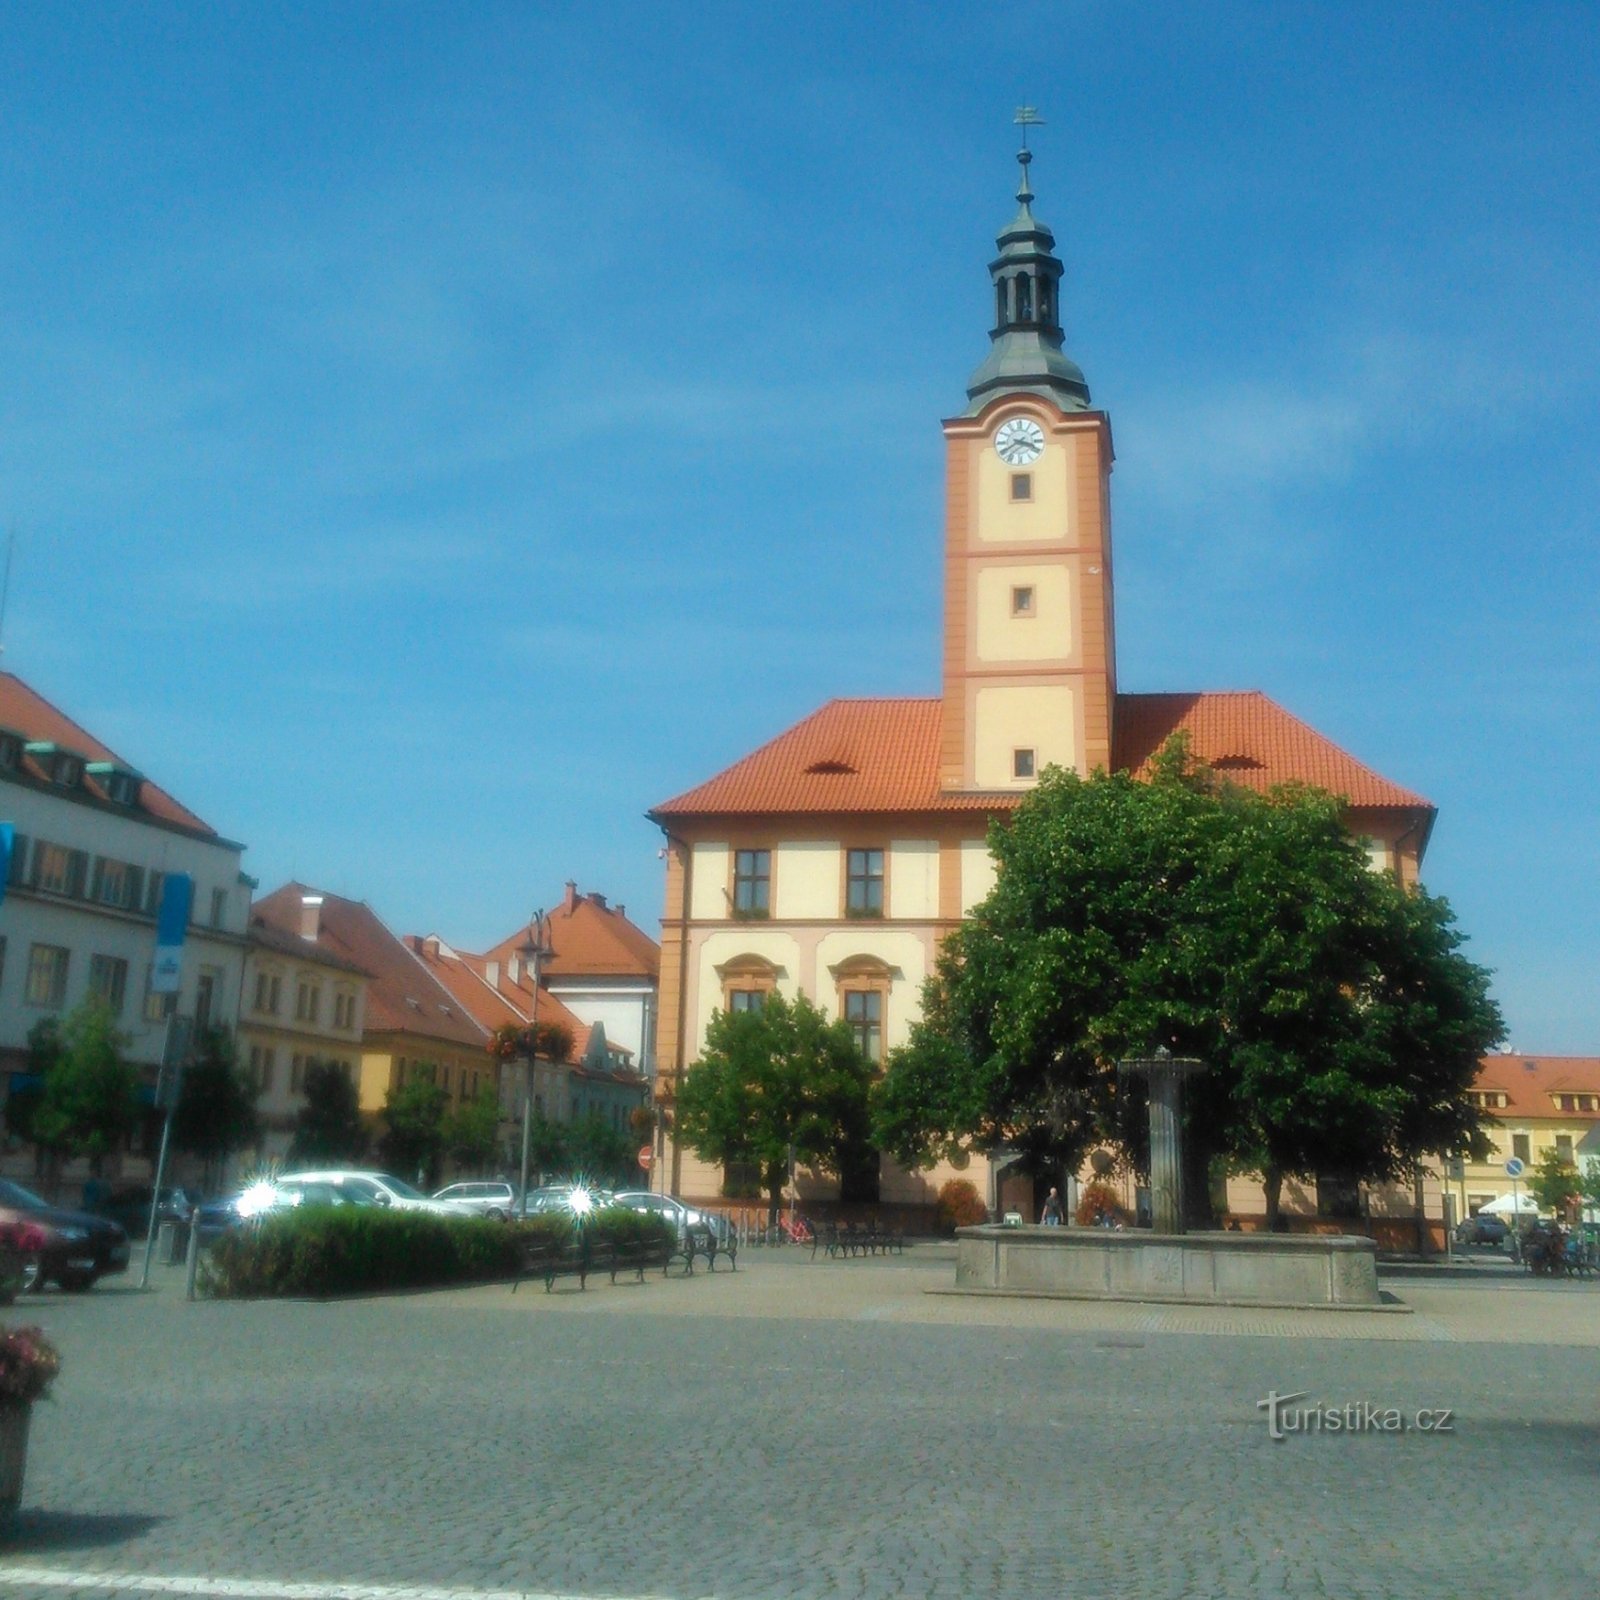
<point x="172" y="927"/>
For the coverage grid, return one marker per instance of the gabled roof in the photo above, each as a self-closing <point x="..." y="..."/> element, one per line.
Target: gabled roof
<point x="1250" y="740"/>
<point x="497" y="1004"/>
<point x="264" y="935"/>
<point x="588" y="939"/>
<point x="25" y="711"/>
<point x="403" y="996"/>
<point x="1529" y="1081"/>
<point x="866" y="756"/>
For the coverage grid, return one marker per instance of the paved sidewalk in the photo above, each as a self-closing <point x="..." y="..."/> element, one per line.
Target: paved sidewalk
<point x="823" y="1430"/>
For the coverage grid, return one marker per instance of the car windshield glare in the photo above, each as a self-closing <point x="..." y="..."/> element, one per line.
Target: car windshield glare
<point x="400" y="1187"/>
<point x="13" y="1194"/>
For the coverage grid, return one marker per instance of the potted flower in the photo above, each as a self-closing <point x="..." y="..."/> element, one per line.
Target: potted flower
<point x="28" y="1366"/>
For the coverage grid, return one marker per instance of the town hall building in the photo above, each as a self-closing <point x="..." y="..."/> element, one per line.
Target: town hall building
<point x="833" y="860"/>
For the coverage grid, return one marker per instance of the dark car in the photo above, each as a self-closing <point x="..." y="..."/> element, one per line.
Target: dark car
<point x="1481" y="1230"/>
<point x="129" y="1207"/>
<point x="71" y="1248"/>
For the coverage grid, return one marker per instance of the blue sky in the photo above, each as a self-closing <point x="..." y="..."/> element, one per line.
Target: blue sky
<point x="435" y="433"/>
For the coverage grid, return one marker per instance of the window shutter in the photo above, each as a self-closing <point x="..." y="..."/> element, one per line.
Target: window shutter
<point x="77" y="872"/>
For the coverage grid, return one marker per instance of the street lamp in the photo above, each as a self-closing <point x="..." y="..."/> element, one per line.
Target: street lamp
<point x="533" y="950"/>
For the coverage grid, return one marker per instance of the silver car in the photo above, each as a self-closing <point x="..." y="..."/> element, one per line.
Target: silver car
<point x="480" y="1198"/>
<point x="681" y="1217"/>
<point x="358" y="1189"/>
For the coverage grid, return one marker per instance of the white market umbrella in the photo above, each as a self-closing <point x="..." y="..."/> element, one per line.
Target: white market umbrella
<point x="1522" y="1203"/>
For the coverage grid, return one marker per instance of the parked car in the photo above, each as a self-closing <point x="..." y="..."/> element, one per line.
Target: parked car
<point x="681" y="1217"/>
<point x="479" y="1199"/>
<point x="345" y="1187"/>
<point x="561" y="1196"/>
<point x="129" y="1207"/>
<point x="76" y="1248"/>
<point x="1481" y="1230"/>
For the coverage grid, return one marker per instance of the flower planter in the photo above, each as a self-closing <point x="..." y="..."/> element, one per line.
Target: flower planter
<point x="14" y="1421"/>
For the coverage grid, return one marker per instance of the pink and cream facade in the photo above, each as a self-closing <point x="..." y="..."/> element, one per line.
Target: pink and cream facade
<point x="833" y="860"/>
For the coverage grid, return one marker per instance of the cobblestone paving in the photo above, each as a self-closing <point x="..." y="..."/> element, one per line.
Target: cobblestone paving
<point x="814" y="1431"/>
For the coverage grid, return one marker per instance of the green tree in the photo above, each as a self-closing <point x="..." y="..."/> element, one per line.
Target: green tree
<point x="22" y="1105"/>
<point x="600" y="1151"/>
<point x="471" y="1130"/>
<point x="1339" y="1021"/>
<point x="413" y="1137"/>
<point x="216" y="1110"/>
<point x="1555" y="1183"/>
<point x="88" y="1101"/>
<point x="328" y="1129"/>
<point x="770" y="1081"/>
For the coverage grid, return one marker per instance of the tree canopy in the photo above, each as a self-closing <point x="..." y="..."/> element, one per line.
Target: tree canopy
<point x="216" y="1113"/>
<point x="88" y="1100"/>
<point x="770" y="1081"/>
<point x="1340" y="1022"/>
<point x="413" y="1138"/>
<point x="328" y="1126"/>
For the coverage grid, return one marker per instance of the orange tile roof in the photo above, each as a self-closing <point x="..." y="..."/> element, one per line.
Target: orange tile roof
<point x="27" y="712"/>
<point x="864" y="756"/>
<point x="1250" y="740"/>
<point x="496" y="1005"/>
<point x="588" y="938"/>
<point x="1529" y="1081"/>
<point x="852" y="756"/>
<point x="403" y="996"/>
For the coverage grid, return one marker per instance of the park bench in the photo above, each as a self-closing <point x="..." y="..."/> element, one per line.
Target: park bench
<point x="856" y="1239"/>
<point x="701" y="1241"/>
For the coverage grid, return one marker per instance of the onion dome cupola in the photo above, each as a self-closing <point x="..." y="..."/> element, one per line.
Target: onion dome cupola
<point x="1026" y="355"/>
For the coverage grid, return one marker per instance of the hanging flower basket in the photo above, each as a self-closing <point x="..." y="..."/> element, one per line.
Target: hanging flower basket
<point x="28" y="1366"/>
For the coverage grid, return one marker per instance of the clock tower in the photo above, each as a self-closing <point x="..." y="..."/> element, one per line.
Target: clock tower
<point x="1029" y="662"/>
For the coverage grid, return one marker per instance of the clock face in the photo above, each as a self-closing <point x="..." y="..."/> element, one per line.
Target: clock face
<point x="1019" y="441"/>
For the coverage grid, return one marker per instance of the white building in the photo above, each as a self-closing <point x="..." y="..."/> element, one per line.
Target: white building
<point x="93" y="840"/>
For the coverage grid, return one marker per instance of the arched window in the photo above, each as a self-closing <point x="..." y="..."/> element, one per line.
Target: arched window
<point x="747" y="980"/>
<point x="1044" y="300"/>
<point x="1024" y="297"/>
<point x="1000" y="303"/>
<point x="864" y="983"/>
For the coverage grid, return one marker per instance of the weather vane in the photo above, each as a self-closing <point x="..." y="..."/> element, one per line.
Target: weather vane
<point x="1027" y="117"/>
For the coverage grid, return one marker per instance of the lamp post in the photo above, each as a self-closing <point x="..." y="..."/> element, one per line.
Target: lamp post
<point x="533" y="951"/>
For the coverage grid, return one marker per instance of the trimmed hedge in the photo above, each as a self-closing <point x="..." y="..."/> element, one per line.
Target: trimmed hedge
<point x="332" y="1250"/>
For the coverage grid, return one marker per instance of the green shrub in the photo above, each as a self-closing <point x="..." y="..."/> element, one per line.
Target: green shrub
<point x="329" y="1250"/>
<point x="960" y="1206"/>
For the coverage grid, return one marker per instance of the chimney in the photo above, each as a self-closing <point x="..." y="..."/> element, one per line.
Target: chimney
<point x="622" y="910"/>
<point x="430" y="947"/>
<point x="572" y="895"/>
<point x="310" y="916"/>
<point x="597" y="899"/>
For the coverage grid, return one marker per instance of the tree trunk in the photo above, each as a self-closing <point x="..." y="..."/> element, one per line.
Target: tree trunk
<point x="777" y="1176"/>
<point x="1198" y="1215"/>
<point x="1272" y="1183"/>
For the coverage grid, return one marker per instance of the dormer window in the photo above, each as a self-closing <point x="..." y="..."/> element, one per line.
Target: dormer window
<point x="61" y="766"/>
<point x="120" y="785"/>
<point x="10" y="750"/>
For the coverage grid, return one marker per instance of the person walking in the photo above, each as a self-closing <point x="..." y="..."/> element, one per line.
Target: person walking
<point x="1051" y="1216"/>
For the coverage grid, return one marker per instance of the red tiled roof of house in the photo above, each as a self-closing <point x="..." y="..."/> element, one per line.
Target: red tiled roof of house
<point x="1250" y="740"/>
<point x="403" y="996"/>
<point x="25" y="711"/>
<point x="265" y="935"/>
<point x="495" y="1005"/>
<point x="862" y="756"/>
<point x="1529" y="1081"/>
<point x="588" y="938"/>
<point x="851" y="756"/>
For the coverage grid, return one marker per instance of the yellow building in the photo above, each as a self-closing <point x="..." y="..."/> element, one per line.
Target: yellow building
<point x="1539" y="1105"/>
<point x="833" y="860"/>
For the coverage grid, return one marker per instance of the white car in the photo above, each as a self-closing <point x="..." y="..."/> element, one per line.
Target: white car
<point x="681" y="1217"/>
<point x="356" y="1189"/>
<point x="479" y="1199"/>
